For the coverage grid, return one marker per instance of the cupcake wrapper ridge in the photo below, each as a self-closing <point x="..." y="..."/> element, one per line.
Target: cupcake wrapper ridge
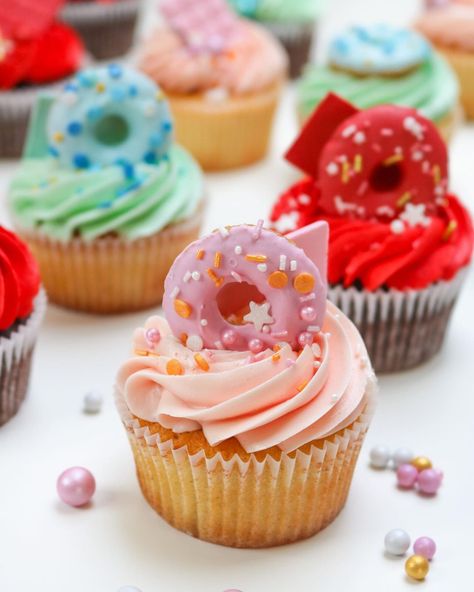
<point x="297" y="39"/>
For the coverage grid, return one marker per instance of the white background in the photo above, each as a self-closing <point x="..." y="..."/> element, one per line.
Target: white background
<point x="47" y="546"/>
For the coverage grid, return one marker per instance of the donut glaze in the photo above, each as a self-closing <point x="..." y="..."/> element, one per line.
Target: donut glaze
<point x="244" y="288"/>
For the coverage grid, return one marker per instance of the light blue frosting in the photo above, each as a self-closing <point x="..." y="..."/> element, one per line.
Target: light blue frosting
<point x="378" y="49"/>
<point x="109" y="115"/>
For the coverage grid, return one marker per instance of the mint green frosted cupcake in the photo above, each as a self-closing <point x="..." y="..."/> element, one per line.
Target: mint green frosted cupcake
<point x="292" y="21"/>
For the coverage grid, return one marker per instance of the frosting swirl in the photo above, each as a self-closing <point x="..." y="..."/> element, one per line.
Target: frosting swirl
<point x="279" y="10"/>
<point x="62" y="203"/>
<point x="19" y="279"/>
<point x="272" y="399"/>
<point x="254" y="62"/>
<point x="449" y="26"/>
<point x="431" y="88"/>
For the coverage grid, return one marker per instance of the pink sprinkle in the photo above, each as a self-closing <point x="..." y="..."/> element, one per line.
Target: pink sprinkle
<point x="289" y="362"/>
<point x="258" y="230"/>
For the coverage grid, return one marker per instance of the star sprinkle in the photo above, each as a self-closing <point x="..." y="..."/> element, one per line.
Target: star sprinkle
<point x="259" y="315"/>
<point x="414" y="215"/>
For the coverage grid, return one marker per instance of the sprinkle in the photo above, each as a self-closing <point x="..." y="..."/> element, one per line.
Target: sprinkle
<point x="258" y="230"/>
<point x="100" y="87"/>
<point x="224" y="232"/>
<point x="58" y="137"/>
<point x="214" y="277"/>
<point x="348" y="131"/>
<point x="276" y="347"/>
<point x="293" y="265"/>
<point x="141" y="352"/>
<point x="334" y="399"/>
<point x="405" y="198"/>
<point x="182" y="308"/>
<point x="282" y="262"/>
<point x="196" y="276"/>
<point x="194" y="343"/>
<point x="174" y="367"/>
<point x="393" y="159"/>
<point x="218" y="344"/>
<point x="304" y="283"/>
<point x="187" y="276"/>
<point x="236" y="276"/>
<point x="358" y="163"/>
<point x="238" y="250"/>
<point x="200" y="254"/>
<point x="450" y="228"/>
<point x="217" y="259"/>
<point x="397" y="226"/>
<point x="314" y="328"/>
<point x="302" y="386"/>
<point x="363" y="187"/>
<point x="386" y="132"/>
<point x="332" y="169"/>
<point x="174" y="292"/>
<point x="345" y="172"/>
<point x="183" y="338"/>
<point x="203" y="322"/>
<point x="281" y="334"/>
<point x="201" y="362"/>
<point x="436" y="173"/>
<point x="316" y="364"/>
<point x="277" y="279"/>
<point x="276" y="357"/>
<point x="425" y="167"/>
<point x="360" y="138"/>
<point x="311" y="296"/>
<point x="262" y="267"/>
<point x="256" y="258"/>
<point x="289" y="362"/>
<point x="316" y="350"/>
<point x="304" y="199"/>
<point x="417" y="155"/>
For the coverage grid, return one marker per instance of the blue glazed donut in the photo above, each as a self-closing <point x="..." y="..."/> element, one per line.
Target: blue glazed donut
<point x="378" y="49"/>
<point x="109" y="115"/>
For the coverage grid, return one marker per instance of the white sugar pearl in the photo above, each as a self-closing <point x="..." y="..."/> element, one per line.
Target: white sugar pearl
<point x="93" y="402"/>
<point x="397" y="542"/>
<point x="194" y="342"/>
<point x="402" y="456"/>
<point x="379" y="457"/>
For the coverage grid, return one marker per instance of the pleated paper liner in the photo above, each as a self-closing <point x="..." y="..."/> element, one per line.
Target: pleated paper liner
<point x="111" y="274"/>
<point x="400" y="329"/>
<point x="108" y="30"/>
<point x="16" y="352"/>
<point x="225" y="132"/>
<point x="252" y="500"/>
<point x="297" y="39"/>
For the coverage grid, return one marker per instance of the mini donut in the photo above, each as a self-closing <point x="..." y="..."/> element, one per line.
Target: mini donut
<point x="378" y="49"/>
<point x="109" y="115"/>
<point x="378" y="160"/>
<point x="245" y="288"/>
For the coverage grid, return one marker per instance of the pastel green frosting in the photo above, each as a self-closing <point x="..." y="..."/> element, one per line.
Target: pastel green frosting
<point x="432" y="88"/>
<point x="279" y="10"/>
<point x="63" y="203"/>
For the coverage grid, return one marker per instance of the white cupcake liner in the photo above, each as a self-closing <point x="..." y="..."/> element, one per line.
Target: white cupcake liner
<point x="401" y="329"/>
<point x="16" y="352"/>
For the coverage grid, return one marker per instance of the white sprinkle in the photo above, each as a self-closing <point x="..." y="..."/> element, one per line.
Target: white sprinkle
<point x="93" y="402"/>
<point x="316" y="364"/>
<point x="236" y="276"/>
<point x="332" y="169"/>
<point x="293" y="265"/>
<point x="203" y="322"/>
<point x="262" y="267"/>
<point x="196" y="276"/>
<point x="417" y="155"/>
<point x="311" y="296"/>
<point x="328" y="335"/>
<point x="187" y="276"/>
<point x="265" y="329"/>
<point x="398" y="150"/>
<point x="194" y="342"/>
<point x="385" y="211"/>
<point x="334" y="399"/>
<point x="238" y="250"/>
<point x="217" y="95"/>
<point x="218" y="344"/>
<point x="282" y="262"/>
<point x="280" y="334"/>
<point x="425" y="167"/>
<point x="304" y="199"/>
<point x="360" y="138"/>
<point x="362" y="187"/>
<point x="174" y="292"/>
<point x="316" y="350"/>
<point x="397" y="226"/>
<point x="348" y="131"/>
<point x="385" y="131"/>
<point x="314" y="328"/>
<point x="224" y="232"/>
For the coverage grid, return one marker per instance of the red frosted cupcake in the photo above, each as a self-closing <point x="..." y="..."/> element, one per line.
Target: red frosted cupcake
<point x="22" y="305"/>
<point x="36" y="52"/>
<point x="400" y="243"/>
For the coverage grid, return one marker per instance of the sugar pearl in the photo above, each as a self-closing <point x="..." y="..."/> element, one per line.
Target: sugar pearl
<point x="93" y="402"/>
<point x="305" y="338"/>
<point x="194" y="342"/>
<point x="429" y="481"/>
<point x="255" y="346"/>
<point x="379" y="457"/>
<point x="417" y="567"/>
<point x="76" y="486"/>
<point x="397" y="542"/>
<point x="421" y="463"/>
<point x="425" y="547"/>
<point x="406" y="476"/>
<point x="402" y="456"/>
<point x="229" y="337"/>
<point x="308" y="313"/>
<point x="152" y="336"/>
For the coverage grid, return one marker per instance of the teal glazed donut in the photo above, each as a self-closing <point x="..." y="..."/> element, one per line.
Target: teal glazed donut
<point x="109" y="115"/>
<point x="378" y="49"/>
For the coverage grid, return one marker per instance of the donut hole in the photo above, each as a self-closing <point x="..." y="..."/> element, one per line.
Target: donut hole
<point x="386" y="177"/>
<point x="111" y="130"/>
<point x="234" y="298"/>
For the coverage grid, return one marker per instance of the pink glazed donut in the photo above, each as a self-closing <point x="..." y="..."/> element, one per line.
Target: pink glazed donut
<point x="244" y="288"/>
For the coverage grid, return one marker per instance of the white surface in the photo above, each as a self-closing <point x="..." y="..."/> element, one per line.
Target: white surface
<point x="46" y="546"/>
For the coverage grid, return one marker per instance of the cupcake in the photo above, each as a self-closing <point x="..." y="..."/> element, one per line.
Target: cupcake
<point x="293" y="23"/>
<point x="247" y="406"/>
<point x="223" y="78"/>
<point x="22" y="307"/>
<point x="103" y="196"/>
<point x="30" y="63"/>
<point x="451" y="30"/>
<point x="381" y="64"/>
<point x="107" y="26"/>
<point x="400" y="242"/>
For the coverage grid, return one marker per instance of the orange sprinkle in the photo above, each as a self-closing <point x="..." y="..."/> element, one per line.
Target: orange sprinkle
<point x="276" y="357"/>
<point x="393" y="159"/>
<point x="436" y="173"/>
<point x="302" y="386"/>
<point x="174" y="367"/>
<point x="200" y="254"/>
<point x="217" y="259"/>
<point x="214" y="277"/>
<point x="141" y="352"/>
<point x="100" y="87"/>
<point x="183" y="338"/>
<point x="182" y="308"/>
<point x="58" y="137"/>
<point x="404" y="199"/>
<point x="357" y="163"/>
<point x="256" y="258"/>
<point x="345" y="171"/>
<point x="303" y="282"/>
<point x="276" y="347"/>
<point x="201" y="362"/>
<point x="278" y="279"/>
<point x="448" y="231"/>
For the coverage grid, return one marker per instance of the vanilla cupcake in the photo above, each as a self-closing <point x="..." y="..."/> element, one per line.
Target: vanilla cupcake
<point x="246" y="421"/>
<point x="223" y="78"/>
<point x="103" y="196"/>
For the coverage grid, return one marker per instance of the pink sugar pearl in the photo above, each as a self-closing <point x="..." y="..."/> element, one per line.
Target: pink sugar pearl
<point x="229" y="337"/>
<point x="425" y="547"/>
<point x="429" y="481"/>
<point x="153" y="336"/>
<point x="255" y="346"/>
<point x="406" y="476"/>
<point x="308" y="313"/>
<point x="305" y="338"/>
<point x="76" y="486"/>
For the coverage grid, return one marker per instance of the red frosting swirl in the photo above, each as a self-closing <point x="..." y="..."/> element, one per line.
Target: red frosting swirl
<point x="19" y="279"/>
<point x="399" y="254"/>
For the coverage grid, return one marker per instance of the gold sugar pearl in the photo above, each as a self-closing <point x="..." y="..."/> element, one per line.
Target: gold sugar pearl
<point x="182" y="308"/>
<point x="421" y="463"/>
<point x="417" y="567"/>
<point x="277" y="279"/>
<point x="304" y="283"/>
<point x="174" y="367"/>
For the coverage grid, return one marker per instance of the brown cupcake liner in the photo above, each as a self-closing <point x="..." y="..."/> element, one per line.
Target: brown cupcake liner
<point x="298" y="40"/>
<point x="260" y="500"/>
<point x="401" y="330"/>
<point x="107" y="30"/>
<point x="111" y="274"/>
<point x="462" y="63"/>
<point x="16" y="352"/>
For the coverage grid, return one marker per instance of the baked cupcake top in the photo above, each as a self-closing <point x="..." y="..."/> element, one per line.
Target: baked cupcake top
<point x="100" y="160"/>
<point x="230" y="360"/>
<point x="29" y="40"/>
<point x="379" y="177"/>
<point x="381" y="64"/>
<point x="19" y="280"/>
<point x="203" y="47"/>
<point x="279" y="10"/>
<point x="450" y="26"/>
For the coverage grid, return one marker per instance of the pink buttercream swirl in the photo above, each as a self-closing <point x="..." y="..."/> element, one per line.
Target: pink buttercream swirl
<point x="283" y="399"/>
<point x="254" y="62"/>
<point x="450" y="26"/>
